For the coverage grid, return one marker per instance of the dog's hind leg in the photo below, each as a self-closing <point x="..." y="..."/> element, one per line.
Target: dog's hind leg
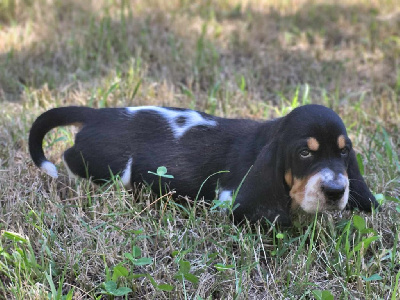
<point x="75" y="164"/>
<point x="71" y="175"/>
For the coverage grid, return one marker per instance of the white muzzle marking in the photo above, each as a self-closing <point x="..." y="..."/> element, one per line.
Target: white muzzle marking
<point x="315" y="199"/>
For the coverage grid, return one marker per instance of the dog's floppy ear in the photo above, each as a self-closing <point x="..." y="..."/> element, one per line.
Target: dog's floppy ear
<point x="360" y="195"/>
<point x="262" y="194"/>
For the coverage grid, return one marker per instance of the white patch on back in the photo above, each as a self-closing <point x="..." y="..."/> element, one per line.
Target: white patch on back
<point x="49" y="168"/>
<point x="314" y="198"/>
<point x="192" y="118"/>
<point x="126" y="175"/>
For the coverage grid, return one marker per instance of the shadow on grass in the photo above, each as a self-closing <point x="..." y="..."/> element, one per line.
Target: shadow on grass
<point x="340" y="49"/>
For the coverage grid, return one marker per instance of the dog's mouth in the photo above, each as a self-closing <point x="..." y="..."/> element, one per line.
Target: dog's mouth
<point x="328" y="205"/>
<point x="323" y="191"/>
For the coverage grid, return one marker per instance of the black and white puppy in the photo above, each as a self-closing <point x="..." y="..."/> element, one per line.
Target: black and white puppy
<point x="304" y="159"/>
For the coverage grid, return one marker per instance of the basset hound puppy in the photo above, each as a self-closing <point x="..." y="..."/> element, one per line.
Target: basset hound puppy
<point x="304" y="159"/>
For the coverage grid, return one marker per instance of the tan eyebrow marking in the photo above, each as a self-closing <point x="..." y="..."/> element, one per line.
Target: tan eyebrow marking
<point x="312" y="144"/>
<point x="341" y="141"/>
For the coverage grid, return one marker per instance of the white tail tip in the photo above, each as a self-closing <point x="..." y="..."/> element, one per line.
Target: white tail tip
<point x="49" y="168"/>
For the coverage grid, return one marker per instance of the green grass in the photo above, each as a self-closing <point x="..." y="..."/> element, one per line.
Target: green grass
<point x="62" y="239"/>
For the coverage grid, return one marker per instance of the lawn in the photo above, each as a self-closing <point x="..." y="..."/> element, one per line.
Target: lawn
<point x="64" y="239"/>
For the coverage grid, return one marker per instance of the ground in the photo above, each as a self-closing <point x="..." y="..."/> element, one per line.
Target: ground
<point x="255" y="59"/>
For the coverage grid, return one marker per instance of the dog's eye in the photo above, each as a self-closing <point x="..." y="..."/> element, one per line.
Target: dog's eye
<point x="305" y="153"/>
<point x="344" y="152"/>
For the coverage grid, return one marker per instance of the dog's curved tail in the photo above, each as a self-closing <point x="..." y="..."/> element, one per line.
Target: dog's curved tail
<point x="50" y="119"/>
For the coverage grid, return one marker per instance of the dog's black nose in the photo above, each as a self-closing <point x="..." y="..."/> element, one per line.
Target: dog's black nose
<point x="333" y="191"/>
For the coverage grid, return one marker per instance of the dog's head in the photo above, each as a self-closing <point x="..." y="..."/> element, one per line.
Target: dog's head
<point x="317" y="152"/>
<point x="306" y="161"/>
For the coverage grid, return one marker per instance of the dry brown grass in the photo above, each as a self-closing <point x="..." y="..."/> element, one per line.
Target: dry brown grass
<point x="230" y="58"/>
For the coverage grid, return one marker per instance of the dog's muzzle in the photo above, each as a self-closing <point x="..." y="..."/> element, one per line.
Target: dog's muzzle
<point x="326" y="190"/>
